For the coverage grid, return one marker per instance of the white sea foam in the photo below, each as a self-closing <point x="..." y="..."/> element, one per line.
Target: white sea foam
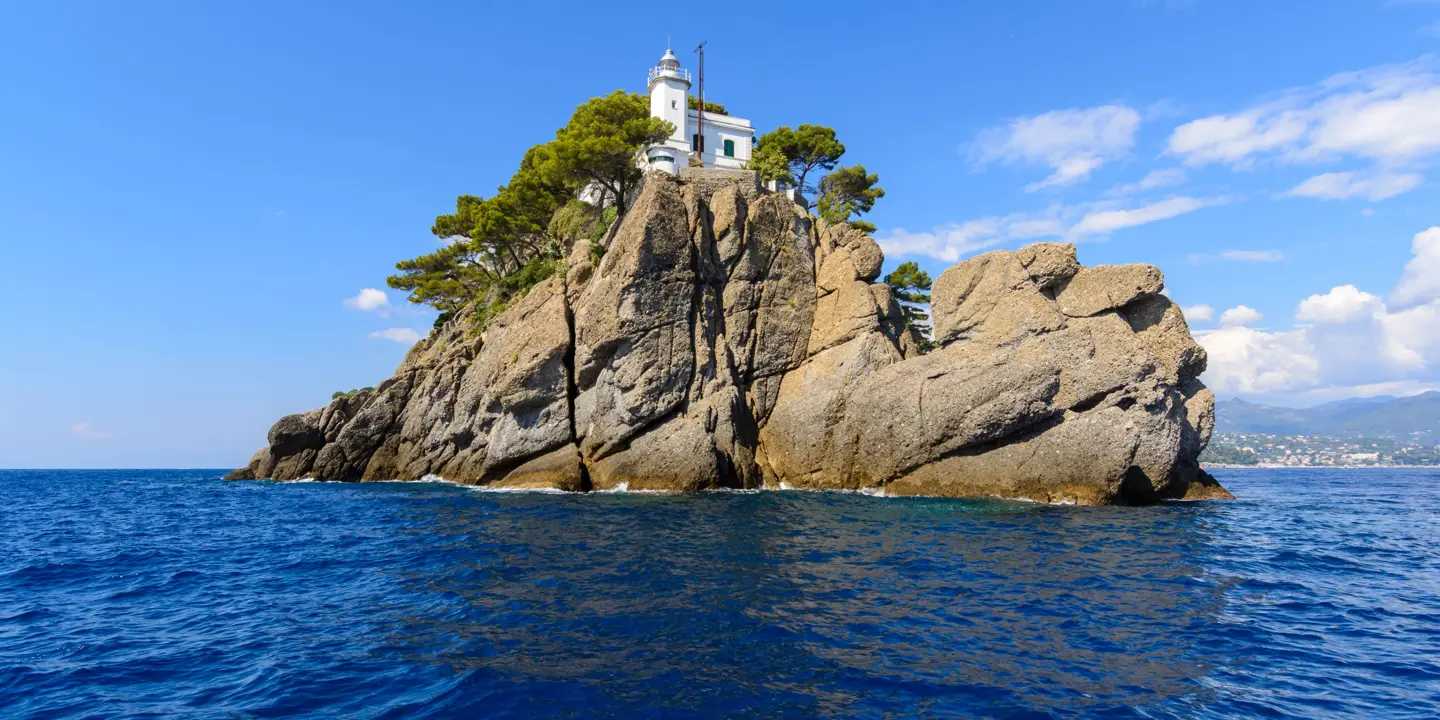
<point x="624" y="489"/>
<point x="534" y="490"/>
<point x="787" y="487"/>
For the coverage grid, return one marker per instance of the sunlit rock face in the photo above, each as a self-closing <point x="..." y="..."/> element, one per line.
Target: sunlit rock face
<point x="729" y="339"/>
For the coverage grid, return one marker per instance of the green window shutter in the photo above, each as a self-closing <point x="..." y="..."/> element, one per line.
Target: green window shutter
<point x="729" y="148"/>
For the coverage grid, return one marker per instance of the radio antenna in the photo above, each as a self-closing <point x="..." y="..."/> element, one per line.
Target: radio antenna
<point x="700" y="106"/>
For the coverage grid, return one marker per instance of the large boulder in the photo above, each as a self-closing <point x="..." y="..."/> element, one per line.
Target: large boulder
<point x="726" y="338"/>
<point x="1024" y="399"/>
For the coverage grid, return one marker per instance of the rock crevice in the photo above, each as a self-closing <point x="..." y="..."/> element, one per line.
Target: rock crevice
<point x="726" y="338"/>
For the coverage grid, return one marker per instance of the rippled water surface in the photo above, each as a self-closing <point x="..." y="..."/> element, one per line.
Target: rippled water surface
<point x="171" y="593"/>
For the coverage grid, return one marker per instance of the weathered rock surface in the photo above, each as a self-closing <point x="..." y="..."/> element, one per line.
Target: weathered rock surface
<point x="728" y="339"/>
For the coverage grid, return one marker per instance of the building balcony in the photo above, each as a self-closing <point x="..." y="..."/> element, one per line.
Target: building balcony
<point x="657" y="73"/>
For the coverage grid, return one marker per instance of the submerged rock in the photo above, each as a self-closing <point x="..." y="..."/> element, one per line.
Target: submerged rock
<point x="728" y="339"/>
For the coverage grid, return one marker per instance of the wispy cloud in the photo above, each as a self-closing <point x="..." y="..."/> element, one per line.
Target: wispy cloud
<point x="1154" y="179"/>
<point x="1388" y="115"/>
<point x="1346" y="185"/>
<point x="951" y="242"/>
<point x="1074" y="223"/>
<point x="1073" y="143"/>
<point x="404" y="336"/>
<point x="87" y="431"/>
<point x="1239" y="256"/>
<point x="1108" y="221"/>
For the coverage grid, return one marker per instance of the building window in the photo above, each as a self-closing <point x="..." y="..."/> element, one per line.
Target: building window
<point x="673" y="105"/>
<point x="662" y="158"/>
<point x="696" y="144"/>
<point x="729" y="148"/>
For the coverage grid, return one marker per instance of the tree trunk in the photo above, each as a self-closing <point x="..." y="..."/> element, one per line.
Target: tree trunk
<point x="620" y="200"/>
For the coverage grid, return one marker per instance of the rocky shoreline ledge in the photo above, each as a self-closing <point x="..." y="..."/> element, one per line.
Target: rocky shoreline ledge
<point x="727" y="338"/>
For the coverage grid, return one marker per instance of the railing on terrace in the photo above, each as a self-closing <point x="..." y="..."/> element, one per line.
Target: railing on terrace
<point x="659" y="72"/>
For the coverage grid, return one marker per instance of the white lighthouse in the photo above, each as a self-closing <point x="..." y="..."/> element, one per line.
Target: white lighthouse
<point x="727" y="139"/>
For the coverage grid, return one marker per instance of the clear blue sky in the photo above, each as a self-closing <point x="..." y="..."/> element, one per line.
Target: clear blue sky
<point x="190" y="191"/>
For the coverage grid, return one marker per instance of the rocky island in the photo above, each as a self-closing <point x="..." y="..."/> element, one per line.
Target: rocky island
<point x="724" y="337"/>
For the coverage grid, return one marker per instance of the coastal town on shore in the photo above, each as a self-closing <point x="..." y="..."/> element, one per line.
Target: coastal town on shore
<point x="1267" y="450"/>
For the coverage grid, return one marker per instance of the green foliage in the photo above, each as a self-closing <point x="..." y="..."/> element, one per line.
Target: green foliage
<point x="539" y="268"/>
<point x="498" y="247"/>
<point x="846" y="193"/>
<point x="911" y="286"/>
<point x="578" y="220"/>
<point x="349" y="393"/>
<point x="600" y="143"/>
<point x="789" y="156"/>
<point x="711" y="108"/>
<point x="770" y="163"/>
<point x="449" y="277"/>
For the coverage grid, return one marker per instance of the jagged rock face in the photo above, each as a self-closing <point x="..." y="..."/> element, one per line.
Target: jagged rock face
<point x="728" y="339"/>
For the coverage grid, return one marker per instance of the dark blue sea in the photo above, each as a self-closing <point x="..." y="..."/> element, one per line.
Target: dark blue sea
<point x="174" y="594"/>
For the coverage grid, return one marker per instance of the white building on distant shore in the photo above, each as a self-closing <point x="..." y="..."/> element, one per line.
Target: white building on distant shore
<point x="726" y="141"/>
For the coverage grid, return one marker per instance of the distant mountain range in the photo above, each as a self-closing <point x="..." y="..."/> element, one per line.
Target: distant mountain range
<point x="1414" y="417"/>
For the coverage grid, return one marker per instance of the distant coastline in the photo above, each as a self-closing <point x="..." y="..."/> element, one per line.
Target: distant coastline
<point x="1282" y="466"/>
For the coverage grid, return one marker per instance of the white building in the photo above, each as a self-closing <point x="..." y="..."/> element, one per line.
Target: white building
<point x="727" y="139"/>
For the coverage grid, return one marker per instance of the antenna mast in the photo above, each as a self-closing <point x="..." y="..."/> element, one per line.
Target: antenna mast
<point x="700" y="106"/>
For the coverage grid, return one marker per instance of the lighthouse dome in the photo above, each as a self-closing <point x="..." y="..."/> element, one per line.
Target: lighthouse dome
<point x="669" y="61"/>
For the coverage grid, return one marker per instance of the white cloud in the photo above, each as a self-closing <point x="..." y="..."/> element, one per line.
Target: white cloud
<point x="1389" y="115"/>
<point x="1239" y="316"/>
<point x="1253" y="255"/>
<point x="1345" y="185"/>
<point x="1421" y="280"/>
<point x="1199" y="313"/>
<point x="1233" y="139"/>
<point x="1069" y="222"/>
<point x="1397" y="121"/>
<point x="1399" y="388"/>
<point x="1105" y="221"/>
<point x="369" y="299"/>
<point x="87" y="431"/>
<point x="1350" y="343"/>
<point x="404" y="336"/>
<point x="1340" y="305"/>
<point x="1073" y="143"/>
<point x="1239" y="256"/>
<point x="1152" y="180"/>
<point x="1247" y="361"/>
<point x="950" y="242"/>
<point x="1410" y="338"/>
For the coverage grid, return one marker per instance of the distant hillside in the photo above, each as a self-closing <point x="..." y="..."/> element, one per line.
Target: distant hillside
<point x="1416" y="417"/>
